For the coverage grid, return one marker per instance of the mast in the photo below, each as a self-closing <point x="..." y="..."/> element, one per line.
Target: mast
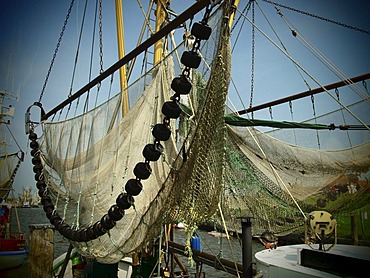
<point x="121" y="54"/>
<point x="232" y="16"/>
<point x="160" y="15"/>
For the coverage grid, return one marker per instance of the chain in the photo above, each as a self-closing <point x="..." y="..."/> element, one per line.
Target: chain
<point x="101" y="36"/>
<point x="319" y="17"/>
<point x="196" y="45"/>
<point x="56" y="50"/>
<point x="252" y="62"/>
<point x="314" y="115"/>
<point x="245" y="11"/>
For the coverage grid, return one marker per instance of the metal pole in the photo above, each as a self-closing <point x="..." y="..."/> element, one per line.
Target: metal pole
<point x="247" y="246"/>
<point x="308" y="93"/>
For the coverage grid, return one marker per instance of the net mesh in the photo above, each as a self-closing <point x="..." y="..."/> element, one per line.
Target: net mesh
<point x="8" y="165"/>
<point x="88" y="160"/>
<point x="262" y="172"/>
<point x="86" y="163"/>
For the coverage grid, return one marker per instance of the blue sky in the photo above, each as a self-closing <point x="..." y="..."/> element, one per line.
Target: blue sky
<point x="30" y="30"/>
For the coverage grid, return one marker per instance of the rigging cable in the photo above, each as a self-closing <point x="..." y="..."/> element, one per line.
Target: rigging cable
<point x="245" y="10"/>
<point x="76" y="59"/>
<point x="15" y="140"/>
<point x="306" y="72"/>
<point x="315" y="119"/>
<point x="281" y="42"/>
<point x="344" y="120"/>
<point x="319" y="17"/>
<point x="77" y="50"/>
<point x="252" y="58"/>
<point x="292" y="118"/>
<point x="316" y="52"/>
<point x="92" y="48"/>
<point x="228" y="238"/>
<point x="56" y="50"/>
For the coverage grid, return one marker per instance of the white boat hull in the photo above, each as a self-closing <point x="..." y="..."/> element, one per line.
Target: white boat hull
<point x="285" y="261"/>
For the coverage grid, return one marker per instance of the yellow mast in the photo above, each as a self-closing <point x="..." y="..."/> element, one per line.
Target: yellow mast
<point x="160" y="15"/>
<point x="121" y="54"/>
<point x="232" y="16"/>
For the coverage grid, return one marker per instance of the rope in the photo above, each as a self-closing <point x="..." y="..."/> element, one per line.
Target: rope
<point x="228" y="237"/>
<point x="15" y="140"/>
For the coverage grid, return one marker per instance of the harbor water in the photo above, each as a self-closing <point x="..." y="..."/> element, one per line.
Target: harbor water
<point x="209" y="243"/>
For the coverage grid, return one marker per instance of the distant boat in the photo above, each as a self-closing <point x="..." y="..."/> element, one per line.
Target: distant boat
<point x="25" y="198"/>
<point x="13" y="250"/>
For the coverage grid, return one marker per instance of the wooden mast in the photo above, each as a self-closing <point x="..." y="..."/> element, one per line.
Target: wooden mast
<point x="160" y="15"/>
<point x="121" y="54"/>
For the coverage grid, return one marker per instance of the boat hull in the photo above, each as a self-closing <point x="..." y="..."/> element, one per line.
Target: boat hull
<point x="124" y="267"/>
<point x="12" y="252"/>
<point x="11" y="259"/>
<point x="286" y="261"/>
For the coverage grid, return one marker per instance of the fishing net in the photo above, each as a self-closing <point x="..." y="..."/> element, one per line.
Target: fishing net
<point x="264" y="175"/>
<point x="8" y="165"/>
<point x="88" y="160"/>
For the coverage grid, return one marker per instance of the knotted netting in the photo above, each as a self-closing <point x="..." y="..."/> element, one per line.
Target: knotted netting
<point x="265" y="175"/>
<point x="88" y="159"/>
<point x="7" y="166"/>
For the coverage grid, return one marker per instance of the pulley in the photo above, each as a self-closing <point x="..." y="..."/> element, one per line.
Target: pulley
<point x="28" y="123"/>
<point x="321" y="222"/>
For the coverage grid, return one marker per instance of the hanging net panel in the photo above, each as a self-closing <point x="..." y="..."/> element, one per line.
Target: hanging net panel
<point x="263" y="174"/>
<point x="8" y="165"/>
<point x="88" y="159"/>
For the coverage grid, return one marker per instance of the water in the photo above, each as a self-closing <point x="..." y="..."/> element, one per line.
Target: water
<point x="216" y="246"/>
